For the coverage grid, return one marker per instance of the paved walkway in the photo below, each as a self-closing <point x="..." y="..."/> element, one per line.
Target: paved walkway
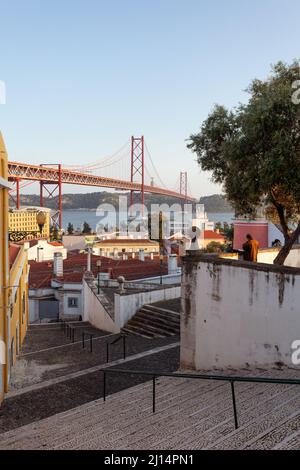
<point x="63" y="378"/>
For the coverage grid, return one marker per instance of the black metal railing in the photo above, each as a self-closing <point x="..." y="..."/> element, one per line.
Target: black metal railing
<point x="108" y="345"/>
<point x="91" y="336"/>
<point x="225" y="378"/>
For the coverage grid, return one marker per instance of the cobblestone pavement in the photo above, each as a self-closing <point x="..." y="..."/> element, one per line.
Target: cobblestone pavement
<point x="37" y="404"/>
<point x="68" y="357"/>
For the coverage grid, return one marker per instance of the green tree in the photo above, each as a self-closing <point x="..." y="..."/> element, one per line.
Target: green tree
<point x="70" y="228"/>
<point x="86" y="228"/>
<point x="54" y="233"/>
<point x="215" y="247"/>
<point x="254" y="152"/>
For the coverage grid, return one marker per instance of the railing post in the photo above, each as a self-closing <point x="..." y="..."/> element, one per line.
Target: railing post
<point x="234" y="405"/>
<point x="153" y="393"/>
<point x="73" y="335"/>
<point x="83" y="340"/>
<point x="104" y="385"/>
<point x="107" y="353"/>
<point x="91" y="343"/>
<point x="124" y="347"/>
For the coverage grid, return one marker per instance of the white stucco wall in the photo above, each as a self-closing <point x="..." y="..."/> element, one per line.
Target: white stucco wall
<point x="95" y="313"/>
<point x="46" y="251"/>
<point x="127" y="305"/>
<point x="237" y="313"/>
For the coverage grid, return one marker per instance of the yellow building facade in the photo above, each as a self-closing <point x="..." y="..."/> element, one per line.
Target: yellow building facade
<point x="25" y="219"/>
<point x="13" y="286"/>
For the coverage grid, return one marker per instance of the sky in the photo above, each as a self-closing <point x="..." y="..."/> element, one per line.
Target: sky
<point x="82" y="76"/>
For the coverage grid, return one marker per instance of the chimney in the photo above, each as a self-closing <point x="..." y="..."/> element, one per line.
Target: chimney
<point x="142" y="255"/>
<point x="40" y="254"/>
<point x="58" y="267"/>
<point x="172" y="264"/>
<point x="89" y="259"/>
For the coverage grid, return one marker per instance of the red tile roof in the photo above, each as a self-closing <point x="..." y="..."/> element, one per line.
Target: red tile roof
<point x="76" y="265"/>
<point x="13" y="252"/>
<point x="214" y="235"/>
<point x="126" y="241"/>
<point x="55" y="243"/>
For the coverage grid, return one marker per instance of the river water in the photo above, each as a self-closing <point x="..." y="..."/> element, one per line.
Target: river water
<point x="77" y="217"/>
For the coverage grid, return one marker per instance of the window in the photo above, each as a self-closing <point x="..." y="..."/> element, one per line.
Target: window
<point x="72" y="302"/>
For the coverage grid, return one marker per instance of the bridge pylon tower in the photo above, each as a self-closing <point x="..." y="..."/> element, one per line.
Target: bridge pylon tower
<point x="137" y="172"/>
<point x="183" y="185"/>
<point x="53" y="190"/>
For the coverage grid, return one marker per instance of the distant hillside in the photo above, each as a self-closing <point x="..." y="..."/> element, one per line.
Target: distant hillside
<point x="216" y="203"/>
<point x="90" y="201"/>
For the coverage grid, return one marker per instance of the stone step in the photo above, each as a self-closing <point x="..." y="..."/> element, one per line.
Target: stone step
<point x="99" y="411"/>
<point x="120" y="421"/>
<point x="190" y="414"/>
<point x="209" y="406"/>
<point x="157" y="324"/>
<point x="266" y="417"/>
<point x="149" y="315"/>
<point x="155" y="327"/>
<point x="161" y="310"/>
<point x="125" y="420"/>
<point x="160" y="314"/>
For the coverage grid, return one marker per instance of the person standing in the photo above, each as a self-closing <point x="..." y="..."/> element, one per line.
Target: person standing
<point x="250" y="248"/>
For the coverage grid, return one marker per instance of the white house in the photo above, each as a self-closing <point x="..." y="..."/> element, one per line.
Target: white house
<point x="42" y="250"/>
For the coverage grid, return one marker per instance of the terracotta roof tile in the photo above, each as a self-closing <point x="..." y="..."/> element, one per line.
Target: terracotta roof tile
<point x="212" y="234"/>
<point x="13" y="252"/>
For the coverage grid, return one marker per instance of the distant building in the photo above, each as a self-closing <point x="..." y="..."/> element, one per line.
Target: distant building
<point x="130" y="247"/>
<point x="42" y="250"/>
<point x="262" y="230"/>
<point x="25" y="219"/>
<point x="56" y="288"/>
<point x="184" y="223"/>
<point x="211" y="236"/>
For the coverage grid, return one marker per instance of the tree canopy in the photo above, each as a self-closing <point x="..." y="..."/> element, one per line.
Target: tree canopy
<point x="254" y="151"/>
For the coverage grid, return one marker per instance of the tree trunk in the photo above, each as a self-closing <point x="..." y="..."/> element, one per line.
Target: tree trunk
<point x="283" y="253"/>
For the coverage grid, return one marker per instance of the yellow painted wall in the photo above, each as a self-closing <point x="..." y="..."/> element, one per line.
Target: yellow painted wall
<point x="18" y="300"/>
<point x="25" y="219"/>
<point x="4" y="268"/>
<point x="13" y="300"/>
<point x="128" y="247"/>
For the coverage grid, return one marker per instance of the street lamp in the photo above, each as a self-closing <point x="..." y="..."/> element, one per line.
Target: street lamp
<point x="18" y="235"/>
<point x="98" y="264"/>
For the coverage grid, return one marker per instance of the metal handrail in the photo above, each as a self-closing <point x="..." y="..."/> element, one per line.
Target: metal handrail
<point x="123" y="337"/>
<point x="227" y="378"/>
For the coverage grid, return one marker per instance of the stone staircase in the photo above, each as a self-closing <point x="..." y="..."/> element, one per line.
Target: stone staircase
<point x="190" y="414"/>
<point x="153" y="322"/>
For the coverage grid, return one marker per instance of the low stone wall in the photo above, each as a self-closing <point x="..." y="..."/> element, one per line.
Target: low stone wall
<point x="267" y="255"/>
<point x="237" y="313"/>
<point x="126" y="305"/>
<point x="94" y="311"/>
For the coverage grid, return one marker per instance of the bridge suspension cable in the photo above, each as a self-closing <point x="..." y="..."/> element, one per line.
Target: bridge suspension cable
<point x="103" y="162"/>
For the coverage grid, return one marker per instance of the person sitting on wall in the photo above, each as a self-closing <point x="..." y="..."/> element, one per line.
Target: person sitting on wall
<point x="276" y="243"/>
<point x="250" y="248"/>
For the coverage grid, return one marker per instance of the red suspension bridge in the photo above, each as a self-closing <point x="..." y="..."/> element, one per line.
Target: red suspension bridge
<point x="143" y="175"/>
